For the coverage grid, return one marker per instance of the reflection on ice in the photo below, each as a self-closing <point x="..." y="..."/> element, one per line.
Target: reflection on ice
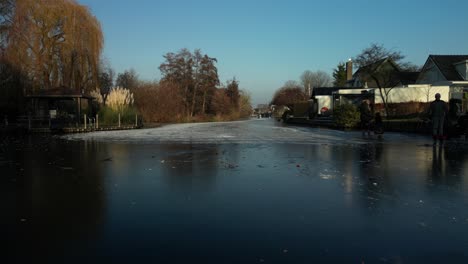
<point x="310" y="193"/>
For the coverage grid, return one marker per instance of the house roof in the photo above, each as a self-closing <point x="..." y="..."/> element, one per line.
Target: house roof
<point x="370" y="68"/>
<point x="58" y="92"/>
<point x="364" y="73"/>
<point x="395" y="77"/>
<point x="445" y="63"/>
<point x="330" y="90"/>
<point x="325" y="90"/>
<point x="408" y="77"/>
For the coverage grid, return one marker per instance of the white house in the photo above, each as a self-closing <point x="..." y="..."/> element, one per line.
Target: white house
<point x="444" y="74"/>
<point x="441" y="69"/>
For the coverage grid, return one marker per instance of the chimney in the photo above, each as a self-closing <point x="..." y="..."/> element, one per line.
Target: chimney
<point x="349" y="70"/>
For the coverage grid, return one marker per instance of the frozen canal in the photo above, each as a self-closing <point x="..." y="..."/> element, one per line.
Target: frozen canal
<point x="242" y="192"/>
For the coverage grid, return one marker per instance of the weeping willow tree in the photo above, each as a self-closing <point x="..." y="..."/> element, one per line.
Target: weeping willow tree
<point x="55" y="43"/>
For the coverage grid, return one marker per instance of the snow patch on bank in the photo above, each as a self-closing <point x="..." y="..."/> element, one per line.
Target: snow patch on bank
<point x="249" y="131"/>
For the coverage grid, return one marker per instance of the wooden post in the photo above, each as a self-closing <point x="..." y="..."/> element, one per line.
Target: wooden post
<point x="84" y="121"/>
<point x="97" y="121"/>
<point x="136" y="120"/>
<point x="119" y="119"/>
<point x="78" y="102"/>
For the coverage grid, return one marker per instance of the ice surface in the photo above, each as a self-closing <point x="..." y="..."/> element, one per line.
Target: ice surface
<point x="248" y="131"/>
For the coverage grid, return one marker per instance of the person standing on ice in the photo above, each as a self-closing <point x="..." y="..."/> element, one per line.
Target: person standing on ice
<point x="438" y="110"/>
<point x="366" y="116"/>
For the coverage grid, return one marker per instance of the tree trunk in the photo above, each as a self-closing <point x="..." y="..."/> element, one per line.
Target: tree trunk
<point x="382" y="94"/>
<point x="193" y="101"/>
<point x="204" y="101"/>
<point x="185" y="101"/>
<point x="72" y="71"/>
<point x="384" y="100"/>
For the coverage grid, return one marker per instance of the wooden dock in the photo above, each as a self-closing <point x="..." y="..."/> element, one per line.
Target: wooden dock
<point x="84" y="130"/>
<point x="67" y="130"/>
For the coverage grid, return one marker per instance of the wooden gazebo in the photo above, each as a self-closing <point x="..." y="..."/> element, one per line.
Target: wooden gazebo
<point x="60" y="106"/>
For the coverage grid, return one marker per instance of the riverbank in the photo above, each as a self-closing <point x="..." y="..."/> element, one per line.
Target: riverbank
<point x="15" y="129"/>
<point x="400" y="125"/>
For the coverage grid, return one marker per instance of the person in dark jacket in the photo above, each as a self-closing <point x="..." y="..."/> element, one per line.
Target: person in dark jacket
<point x="462" y="123"/>
<point x="438" y="110"/>
<point x="378" y="125"/>
<point x="366" y="117"/>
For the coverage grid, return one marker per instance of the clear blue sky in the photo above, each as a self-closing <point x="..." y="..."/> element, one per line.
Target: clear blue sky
<point x="265" y="43"/>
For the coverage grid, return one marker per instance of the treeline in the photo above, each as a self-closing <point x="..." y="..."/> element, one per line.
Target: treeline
<point x="163" y="102"/>
<point x="189" y="90"/>
<point x="58" y="46"/>
<point x="195" y="88"/>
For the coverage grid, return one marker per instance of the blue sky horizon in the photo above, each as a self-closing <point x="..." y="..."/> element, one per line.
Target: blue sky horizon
<point x="263" y="44"/>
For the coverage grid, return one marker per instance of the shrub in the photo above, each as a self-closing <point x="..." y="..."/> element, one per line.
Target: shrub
<point x="163" y="102"/>
<point x="221" y="103"/>
<point x="160" y="103"/>
<point x="346" y="115"/>
<point x="119" y="99"/>
<point x="110" y="117"/>
<point x="97" y="96"/>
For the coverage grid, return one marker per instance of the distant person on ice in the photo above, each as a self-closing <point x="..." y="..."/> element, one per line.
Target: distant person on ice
<point x="437" y="113"/>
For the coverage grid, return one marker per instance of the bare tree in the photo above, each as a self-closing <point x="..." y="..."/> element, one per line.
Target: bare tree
<point x="128" y="79"/>
<point x="177" y="69"/>
<point x="310" y="79"/>
<point x="307" y="81"/>
<point x="383" y="67"/>
<point x="386" y="76"/>
<point x="205" y="79"/>
<point x="208" y="80"/>
<point x="374" y="53"/>
<point x="232" y="90"/>
<point x="196" y="76"/>
<point x="291" y="84"/>
<point x="321" y="79"/>
<point x="106" y="78"/>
